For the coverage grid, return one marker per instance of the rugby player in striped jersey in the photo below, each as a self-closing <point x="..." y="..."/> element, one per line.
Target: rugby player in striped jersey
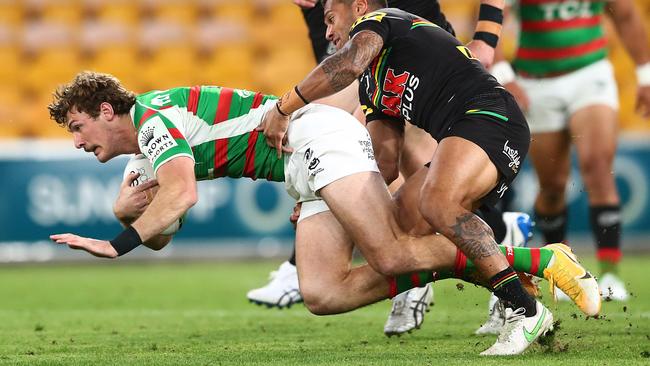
<point x="328" y="165"/>
<point x="565" y="84"/>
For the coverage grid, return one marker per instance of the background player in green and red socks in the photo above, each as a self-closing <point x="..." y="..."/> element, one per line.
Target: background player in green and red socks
<point x="566" y="86"/>
<point x="510" y="228"/>
<point x="209" y="132"/>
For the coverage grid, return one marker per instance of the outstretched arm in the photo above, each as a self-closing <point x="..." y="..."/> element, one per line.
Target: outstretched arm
<point x="176" y="195"/>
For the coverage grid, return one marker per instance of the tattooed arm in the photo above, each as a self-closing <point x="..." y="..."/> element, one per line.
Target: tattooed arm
<point x="332" y="75"/>
<point x="342" y="68"/>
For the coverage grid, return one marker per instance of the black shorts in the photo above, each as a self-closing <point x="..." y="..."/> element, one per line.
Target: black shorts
<point x="495" y="123"/>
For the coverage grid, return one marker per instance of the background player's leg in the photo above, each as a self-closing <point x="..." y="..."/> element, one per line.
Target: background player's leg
<point x="596" y="160"/>
<point x="409" y="308"/>
<point x="282" y="290"/>
<point x="549" y="153"/>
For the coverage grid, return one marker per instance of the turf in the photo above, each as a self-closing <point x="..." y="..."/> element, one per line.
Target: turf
<point x="197" y="314"/>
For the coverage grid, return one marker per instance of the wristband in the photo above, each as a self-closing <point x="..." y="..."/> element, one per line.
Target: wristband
<point x="503" y="72"/>
<point x="490" y="38"/>
<point x="300" y="95"/>
<point x="643" y="74"/>
<point x="277" y="106"/>
<point x="290" y="102"/>
<point x="490" y="13"/>
<point x="128" y="240"/>
<point x="489" y="23"/>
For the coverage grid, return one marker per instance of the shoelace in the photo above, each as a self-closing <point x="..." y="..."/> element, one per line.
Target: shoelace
<point x="499" y="307"/>
<point x="398" y="307"/>
<point x="510" y="324"/>
<point x="516" y="315"/>
<point x="417" y="303"/>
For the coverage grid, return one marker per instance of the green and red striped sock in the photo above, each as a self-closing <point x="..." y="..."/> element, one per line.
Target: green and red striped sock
<point x="528" y="260"/>
<point x="401" y="283"/>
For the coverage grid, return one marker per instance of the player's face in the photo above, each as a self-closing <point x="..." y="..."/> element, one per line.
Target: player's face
<point x="90" y="134"/>
<point x="339" y="17"/>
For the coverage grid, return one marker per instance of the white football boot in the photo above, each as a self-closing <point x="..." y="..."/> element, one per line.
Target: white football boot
<point x="612" y="288"/>
<point x="496" y="318"/>
<point x="281" y="291"/>
<point x="408" y="310"/>
<point x="519" y="332"/>
<point x="519" y="230"/>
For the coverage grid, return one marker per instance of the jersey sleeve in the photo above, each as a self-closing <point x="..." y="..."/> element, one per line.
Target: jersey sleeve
<point x="161" y="140"/>
<point x="376" y="22"/>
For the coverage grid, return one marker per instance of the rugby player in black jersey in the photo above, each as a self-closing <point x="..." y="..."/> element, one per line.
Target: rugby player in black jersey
<point x="510" y="228"/>
<point x="411" y="70"/>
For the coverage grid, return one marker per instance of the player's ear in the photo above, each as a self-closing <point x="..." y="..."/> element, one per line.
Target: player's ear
<point x="360" y="7"/>
<point x="106" y="110"/>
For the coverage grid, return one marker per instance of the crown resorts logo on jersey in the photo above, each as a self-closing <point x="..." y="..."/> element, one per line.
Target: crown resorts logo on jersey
<point x="155" y="139"/>
<point x="398" y="94"/>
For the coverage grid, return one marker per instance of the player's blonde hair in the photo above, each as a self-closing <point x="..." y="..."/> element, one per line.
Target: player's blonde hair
<point x="86" y="92"/>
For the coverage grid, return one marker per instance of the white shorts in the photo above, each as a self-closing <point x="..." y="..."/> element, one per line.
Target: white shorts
<point x="553" y="100"/>
<point x="328" y="144"/>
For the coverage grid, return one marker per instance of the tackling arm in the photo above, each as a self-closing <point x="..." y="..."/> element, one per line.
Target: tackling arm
<point x="332" y="75"/>
<point x="335" y="72"/>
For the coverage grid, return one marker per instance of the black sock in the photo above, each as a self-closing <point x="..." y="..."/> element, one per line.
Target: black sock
<point x="553" y="227"/>
<point x="507" y="287"/>
<point x="292" y="259"/>
<point x="606" y="226"/>
<point x="494" y="218"/>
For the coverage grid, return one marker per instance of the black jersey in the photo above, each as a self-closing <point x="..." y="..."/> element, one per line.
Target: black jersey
<point x="422" y="75"/>
<point x="322" y="48"/>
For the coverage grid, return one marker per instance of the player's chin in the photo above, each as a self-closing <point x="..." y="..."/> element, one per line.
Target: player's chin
<point x="102" y="157"/>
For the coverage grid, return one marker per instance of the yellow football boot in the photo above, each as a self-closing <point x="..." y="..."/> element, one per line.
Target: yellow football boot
<point x="573" y="279"/>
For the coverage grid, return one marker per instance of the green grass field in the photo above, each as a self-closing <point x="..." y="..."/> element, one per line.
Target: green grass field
<point x="197" y="314"/>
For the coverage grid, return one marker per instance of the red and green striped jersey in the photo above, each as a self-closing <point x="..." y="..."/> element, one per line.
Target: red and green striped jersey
<point x="559" y="36"/>
<point x="214" y="126"/>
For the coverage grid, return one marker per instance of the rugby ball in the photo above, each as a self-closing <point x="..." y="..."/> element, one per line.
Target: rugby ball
<point x="140" y="164"/>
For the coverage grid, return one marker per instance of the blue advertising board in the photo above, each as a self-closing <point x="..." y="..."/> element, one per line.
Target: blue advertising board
<point x="59" y="190"/>
<point x="75" y="194"/>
